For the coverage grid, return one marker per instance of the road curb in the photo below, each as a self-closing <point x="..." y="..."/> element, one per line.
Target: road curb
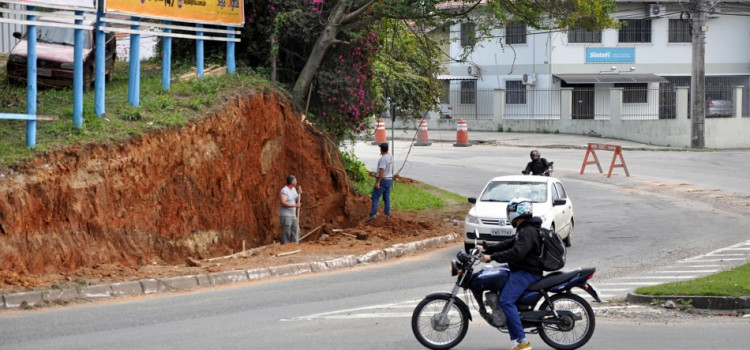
<point x="699" y="302"/>
<point x="181" y="283"/>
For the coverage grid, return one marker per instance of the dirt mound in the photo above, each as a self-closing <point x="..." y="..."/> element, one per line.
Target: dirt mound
<point x="199" y="191"/>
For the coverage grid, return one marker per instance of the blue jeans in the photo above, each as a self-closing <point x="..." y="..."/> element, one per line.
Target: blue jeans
<point x="385" y="191"/>
<point x="517" y="283"/>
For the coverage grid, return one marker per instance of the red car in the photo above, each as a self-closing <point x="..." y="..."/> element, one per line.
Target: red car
<point x="55" y="48"/>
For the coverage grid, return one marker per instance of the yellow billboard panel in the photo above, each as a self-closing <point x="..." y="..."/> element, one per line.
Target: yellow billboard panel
<point x="229" y="12"/>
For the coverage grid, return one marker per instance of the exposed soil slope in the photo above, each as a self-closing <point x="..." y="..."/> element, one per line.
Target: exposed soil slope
<point x="198" y="191"/>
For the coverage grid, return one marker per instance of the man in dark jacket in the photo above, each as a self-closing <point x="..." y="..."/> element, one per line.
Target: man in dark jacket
<point x="522" y="256"/>
<point x="537" y="165"/>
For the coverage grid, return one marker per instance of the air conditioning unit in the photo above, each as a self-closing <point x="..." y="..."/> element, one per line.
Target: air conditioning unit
<point x="472" y="71"/>
<point x="714" y="11"/>
<point x="656" y="10"/>
<point x="529" y="79"/>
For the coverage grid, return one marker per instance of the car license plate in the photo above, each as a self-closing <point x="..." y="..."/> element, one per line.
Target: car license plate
<point x="44" y="72"/>
<point x="501" y="232"/>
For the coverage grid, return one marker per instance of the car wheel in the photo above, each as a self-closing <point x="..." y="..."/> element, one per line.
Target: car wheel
<point x="570" y="233"/>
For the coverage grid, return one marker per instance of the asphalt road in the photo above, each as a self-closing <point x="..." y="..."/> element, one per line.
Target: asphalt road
<point x="625" y="227"/>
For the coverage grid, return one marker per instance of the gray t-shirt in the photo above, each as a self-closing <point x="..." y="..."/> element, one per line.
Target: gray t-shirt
<point x="386" y="162"/>
<point x="291" y="198"/>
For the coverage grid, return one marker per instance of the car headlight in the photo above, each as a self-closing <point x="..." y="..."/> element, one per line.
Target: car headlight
<point x="17" y="59"/>
<point x="471" y="219"/>
<point x="67" y="65"/>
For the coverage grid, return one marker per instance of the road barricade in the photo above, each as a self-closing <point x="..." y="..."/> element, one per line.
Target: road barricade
<point x="590" y="150"/>
<point x="462" y="134"/>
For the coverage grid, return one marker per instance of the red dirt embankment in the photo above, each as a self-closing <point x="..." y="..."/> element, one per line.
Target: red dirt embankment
<point x="197" y="191"/>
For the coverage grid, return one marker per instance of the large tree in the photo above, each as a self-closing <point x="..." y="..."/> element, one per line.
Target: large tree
<point x="343" y="15"/>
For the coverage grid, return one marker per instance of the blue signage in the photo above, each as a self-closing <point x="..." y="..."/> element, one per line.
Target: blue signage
<point x="610" y="55"/>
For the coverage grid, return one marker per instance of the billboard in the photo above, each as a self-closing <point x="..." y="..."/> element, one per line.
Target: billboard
<point x="229" y="12"/>
<point x="64" y="4"/>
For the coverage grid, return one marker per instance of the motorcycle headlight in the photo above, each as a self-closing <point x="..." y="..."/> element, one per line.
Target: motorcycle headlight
<point x="472" y="219"/>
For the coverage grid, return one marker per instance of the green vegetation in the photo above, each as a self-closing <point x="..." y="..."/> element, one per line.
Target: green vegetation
<point x="187" y="100"/>
<point x="413" y="196"/>
<point x="732" y="283"/>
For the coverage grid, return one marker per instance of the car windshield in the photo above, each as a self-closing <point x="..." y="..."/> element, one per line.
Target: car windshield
<point x="504" y="191"/>
<point x="62" y="36"/>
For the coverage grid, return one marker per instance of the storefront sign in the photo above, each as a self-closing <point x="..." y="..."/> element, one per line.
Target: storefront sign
<point x="610" y="55"/>
<point x="205" y="11"/>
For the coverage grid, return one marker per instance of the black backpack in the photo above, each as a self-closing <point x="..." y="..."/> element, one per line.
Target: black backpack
<point x="552" y="252"/>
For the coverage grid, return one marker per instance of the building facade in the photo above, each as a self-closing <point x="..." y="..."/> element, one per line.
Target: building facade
<point x="554" y="79"/>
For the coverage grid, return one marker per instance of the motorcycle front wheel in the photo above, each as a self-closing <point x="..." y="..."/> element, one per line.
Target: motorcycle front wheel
<point x="437" y="329"/>
<point x="575" y="327"/>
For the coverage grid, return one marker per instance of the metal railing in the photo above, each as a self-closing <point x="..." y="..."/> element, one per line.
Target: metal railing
<point x="532" y="104"/>
<point x="471" y="104"/>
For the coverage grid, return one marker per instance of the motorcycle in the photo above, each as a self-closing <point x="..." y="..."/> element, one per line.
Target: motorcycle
<point x="545" y="173"/>
<point x="563" y="320"/>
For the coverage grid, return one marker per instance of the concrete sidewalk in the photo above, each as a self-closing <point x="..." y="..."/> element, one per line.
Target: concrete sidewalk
<point x="527" y="140"/>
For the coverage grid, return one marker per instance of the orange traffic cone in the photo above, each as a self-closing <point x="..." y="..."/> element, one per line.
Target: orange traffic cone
<point x="422" y="139"/>
<point x="462" y="134"/>
<point x="379" y="132"/>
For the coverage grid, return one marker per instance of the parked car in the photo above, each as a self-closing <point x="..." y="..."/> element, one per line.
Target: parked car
<point x="55" y="48"/>
<point x="717" y="107"/>
<point x="488" y="218"/>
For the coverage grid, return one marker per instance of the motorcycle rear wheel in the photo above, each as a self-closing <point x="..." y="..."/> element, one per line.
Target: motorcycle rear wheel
<point x="431" y="332"/>
<point x="571" y="333"/>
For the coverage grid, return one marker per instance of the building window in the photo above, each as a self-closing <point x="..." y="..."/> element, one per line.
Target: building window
<point x="679" y="31"/>
<point x="445" y="97"/>
<point x="515" y="92"/>
<point x="468" y="92"/>
<point x="635" y="31"/>
<point x="634" y="93"/>
<point x="581" y="35"/>
<point x="467" y="33"/>
<point x="515" y="33"/>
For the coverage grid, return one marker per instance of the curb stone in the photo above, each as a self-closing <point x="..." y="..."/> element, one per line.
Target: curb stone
<point x="698" y="302"/>
<point x="154" y="286"/>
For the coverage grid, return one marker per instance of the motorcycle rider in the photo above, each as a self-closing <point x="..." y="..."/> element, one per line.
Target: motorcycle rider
<point x="522" y="255"/>
<point x="537" y="165"/>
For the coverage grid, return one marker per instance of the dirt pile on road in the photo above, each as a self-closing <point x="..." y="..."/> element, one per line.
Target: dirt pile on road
<point x="198" y="191"/>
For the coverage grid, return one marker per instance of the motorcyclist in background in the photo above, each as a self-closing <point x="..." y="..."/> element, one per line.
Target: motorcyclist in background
<point x="537" y="165"/>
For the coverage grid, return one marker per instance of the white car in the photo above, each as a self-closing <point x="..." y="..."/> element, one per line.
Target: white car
<point x="488" y="217"/>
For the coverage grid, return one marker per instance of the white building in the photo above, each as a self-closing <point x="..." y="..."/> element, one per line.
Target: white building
<point x="578" y="81"/>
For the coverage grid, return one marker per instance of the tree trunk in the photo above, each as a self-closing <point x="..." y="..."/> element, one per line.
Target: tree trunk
<point x="326" y="39"/>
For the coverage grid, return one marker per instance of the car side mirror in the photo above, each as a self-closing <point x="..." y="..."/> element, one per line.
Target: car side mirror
<point x="559" y="201"/>
<point x="17" y="35"/>
<point x="472" y="200"/>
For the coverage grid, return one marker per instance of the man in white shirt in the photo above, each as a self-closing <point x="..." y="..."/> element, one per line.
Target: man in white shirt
<point x="288" y="211"/>
<point x="383" y="183"/>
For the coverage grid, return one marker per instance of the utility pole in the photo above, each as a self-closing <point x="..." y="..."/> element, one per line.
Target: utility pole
<point x="698" y="75"/>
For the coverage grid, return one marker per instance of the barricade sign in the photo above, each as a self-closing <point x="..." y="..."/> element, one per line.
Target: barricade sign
<point x="590" y="150"/>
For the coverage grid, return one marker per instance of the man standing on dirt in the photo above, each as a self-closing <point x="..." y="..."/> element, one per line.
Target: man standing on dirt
<point x="383" y="182"/>
<point x="287" y="210"/>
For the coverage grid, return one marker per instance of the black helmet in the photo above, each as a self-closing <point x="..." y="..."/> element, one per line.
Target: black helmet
<point x="534" y="155"/>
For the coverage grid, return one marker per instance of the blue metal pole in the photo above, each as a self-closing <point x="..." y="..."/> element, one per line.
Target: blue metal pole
<point x="199" y="53"/>
<point x="231" y="67"/>
<point x="134" y="82"/>
<point x="99" y="66"/>
<point x="78" y="75"/>
<point x="166" y="59"/>
<point x="31" y="80"/>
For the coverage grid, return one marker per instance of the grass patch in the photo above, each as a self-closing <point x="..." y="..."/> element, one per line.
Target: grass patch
<point x="187" y="100"/>
<point x="413" y="195"/>
<point x="731" y="283"/>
